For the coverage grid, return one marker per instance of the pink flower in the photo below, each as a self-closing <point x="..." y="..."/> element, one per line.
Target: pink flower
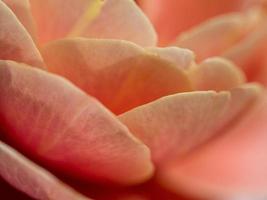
<point x="90" y="107"/>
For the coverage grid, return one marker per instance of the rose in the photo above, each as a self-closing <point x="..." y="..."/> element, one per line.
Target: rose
<point x="65" y="130"/>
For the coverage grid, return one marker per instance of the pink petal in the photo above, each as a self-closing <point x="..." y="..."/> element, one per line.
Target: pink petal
<point x="53" y="121"/>
<point x="120" y="19"/>
<point x="216" y="74"/>
<point x="232" y="166"/>
<point x="182" y="58"/>
<point x="15" y="42"/>
<point x="175" y="16"/>
<point x="175" y="124"/>
<point x="55" y="18"/>
<point x="120" y="74"/>
<point x="30" y="178"/>
<point x="21" y="8"/>
<point x="214" y="36"/>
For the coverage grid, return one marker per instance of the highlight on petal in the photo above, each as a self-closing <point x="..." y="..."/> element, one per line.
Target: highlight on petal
<point x="224" y="31"/>
<point x="118" y="73"/>
<point x="233" y="166"/>
<point x="216" y="74"/>
<point x="30" y="178"/>
<point x="15" y="42"/>
<point x="173" y="17"/>
<point x="21" y="8"/>
<point x="182" y="58"/>
<point x="120" y="19"/>
<point x="173" y="125"/>
<point x="54" y="122"/>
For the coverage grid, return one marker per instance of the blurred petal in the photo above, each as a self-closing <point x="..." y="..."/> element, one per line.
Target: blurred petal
<point x="28" y="177"/>
<point x="223" y="30"/>
<point x="182" y="58"/>
<point x="120" y="74"/>
<point x="120" y="19"/>
<point x="53" y="121"/>
<point x="175" y="124"/>
<point x="175" y="16"/>
<point x="232" y="166"/>
<point x="216" y="74"/>
<point x="116" y="19"/>
<point x="55" y="18"/>
<point x="21" y="8"/>
<point x="15" y="42"/>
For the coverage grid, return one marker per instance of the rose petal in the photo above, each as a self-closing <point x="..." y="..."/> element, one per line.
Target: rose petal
<point x="21" y="8"/>
<point x="232" y="166"/>
<point x="53" y="121"/>
<point x="216" y="74"/>
<point x="120" y="19"/>
<point x="224" y="30"/>
<point x="30" y="178"/>
<point x="15" y="42"/>
<point x="120" y="74"/>
<point x="55" y="18"/>
<point x="182" y="58"/>
<point x="175" y="16"/>
<point x="175" y="124"/>
<point x="249" y="53"/>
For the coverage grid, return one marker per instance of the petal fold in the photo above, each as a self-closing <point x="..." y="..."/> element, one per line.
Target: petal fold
<point x="54" y="122"/>
<point x="175" y="124"/>
<point x="118" y="73"/>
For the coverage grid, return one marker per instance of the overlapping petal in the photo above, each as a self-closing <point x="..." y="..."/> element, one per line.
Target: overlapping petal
<point x="175" y="124"/>
<point x="15" y="42"/>
<point x="51" y="120"/>
<point x="216" y="74"/>
<point x="113" y="19"/>
<point x="120" y="74"/>
<point x="231" y="166"/>
<point x="175" y="16"/>
<point x="31" y="178"/>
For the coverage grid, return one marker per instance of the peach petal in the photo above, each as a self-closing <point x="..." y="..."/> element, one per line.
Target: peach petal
<point x="224" y="30"/>
<point x="249" y="53"/>
<point x="121" y="19"/>
<point x="55" y="18"/>
<point x="21" y="8"/>
<point x="15" y="42"/>
<point x="53" y="121"/>
<point x="30" y="178"/>
<point x="216" y="74"/>
<point x="120" y="74"/>
<point x="232" y="166"/>
<point x="173" y="125"/>
<point x="182" y="58"/>
<point x="173" y="17"/>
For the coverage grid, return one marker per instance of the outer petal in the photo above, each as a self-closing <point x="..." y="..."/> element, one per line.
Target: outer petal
<point x="120" y="74"/>
<point x="32" y="179"/>
<point x="15" y="42"/>
<point x="231" y="167"/>
<point x="216" y="74"/>
<point x="121" y="19"/>
<point x="217" y="34"/>
<point x="51" y="120"/>
<point x="175" y="124"/>
<point x="21" y="9"/>
<point x="175" y="16"/>
<point x="182" y="58"/>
